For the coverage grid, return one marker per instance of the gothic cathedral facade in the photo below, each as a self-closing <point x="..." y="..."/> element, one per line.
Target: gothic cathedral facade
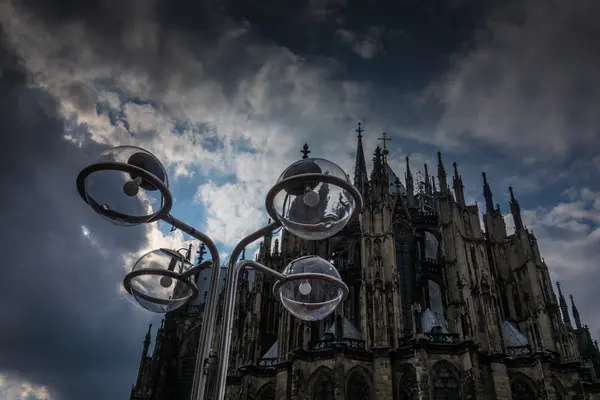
<point x="438" y="309"/>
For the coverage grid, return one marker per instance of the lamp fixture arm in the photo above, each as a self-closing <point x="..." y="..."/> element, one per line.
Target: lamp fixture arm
<point x="206" y="331"/>
<point x="233" y="272"/>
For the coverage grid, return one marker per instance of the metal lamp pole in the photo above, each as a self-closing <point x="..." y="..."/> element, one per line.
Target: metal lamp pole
<point x="142" y="170"/>
<point x="234" y="269"/>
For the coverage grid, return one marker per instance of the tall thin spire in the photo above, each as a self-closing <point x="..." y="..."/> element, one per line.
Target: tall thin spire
<point x="377" y="164"/>
<point x="147" y="341"/>
<point x="442" y="175"/>
<point x="427" y="181"/>
<point x="361" y="179"/>
<point x="188" y="254"/>
<point x="563" y="306"/>
<point x="515" y="210"/>
<point x="487" y="194"/>
<point x="575" y="313"/>
<point x="459" y="188"/>
<point x="410" y="186"/>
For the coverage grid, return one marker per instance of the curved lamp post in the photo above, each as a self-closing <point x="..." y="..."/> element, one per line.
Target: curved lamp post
<point x="313" y="199"/>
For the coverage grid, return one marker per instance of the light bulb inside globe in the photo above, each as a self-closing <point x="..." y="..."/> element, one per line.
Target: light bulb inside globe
<point x="311" y="198"/>
<point x="166" y="281"/>
<point x="131" y="188"/>
<point x="305" y="288"/>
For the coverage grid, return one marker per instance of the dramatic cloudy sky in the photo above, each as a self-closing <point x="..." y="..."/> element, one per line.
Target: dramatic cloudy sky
<point x="225" y="93"/>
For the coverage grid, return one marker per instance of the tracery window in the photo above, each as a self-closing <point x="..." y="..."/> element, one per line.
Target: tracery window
<point x="323" y="386"/>
<point x="445" y="382"/>
<point x="358" y="387"/>
<point x="267" y="392"/>
<point x="406" y="386"/>
<point x="432" y="246"/>
<point x="521" y="389"/>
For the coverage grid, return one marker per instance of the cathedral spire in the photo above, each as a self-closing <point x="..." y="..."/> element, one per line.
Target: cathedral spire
<point x="563" y="306"/>
<point x="487" y="194"/>
<point x="377" y="164"/>
<point x="361" y="180"/>
<point x="147" y="341"/>
<point x="442" y="175"/>
<point x="410" y="186"/>
<point x="305" y="151"/>
<point x="427" y="181"/>
<point x="575" y="313"/>
<point x="515" y="210"/>
<point x="459" y="188"/>
<point x="201" y="252"/>
<point x="188" y="254"/>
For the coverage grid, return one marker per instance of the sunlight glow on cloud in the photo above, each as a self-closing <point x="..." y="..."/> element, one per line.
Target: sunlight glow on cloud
<point x="12" y="389"/>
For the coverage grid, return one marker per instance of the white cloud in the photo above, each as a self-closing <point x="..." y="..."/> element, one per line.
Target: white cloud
<point x="233" y="211"/>
<point x="15" y="389"/>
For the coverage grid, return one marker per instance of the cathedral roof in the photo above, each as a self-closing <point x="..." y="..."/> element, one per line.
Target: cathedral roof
<point x="512" y="336"/>
<point x="394" y="183"/>
<point x="432" y="320"/>
<point x="349" y="331"/>
<point x="272" y="352"/>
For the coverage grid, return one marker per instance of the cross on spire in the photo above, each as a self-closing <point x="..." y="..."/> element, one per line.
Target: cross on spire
<point x="305" y="151"/>
<point x="359" y="130"/>
<point x="385" y="139"/>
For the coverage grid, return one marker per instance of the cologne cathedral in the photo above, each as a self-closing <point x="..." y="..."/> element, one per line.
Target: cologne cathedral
<point x="440" y="308"/>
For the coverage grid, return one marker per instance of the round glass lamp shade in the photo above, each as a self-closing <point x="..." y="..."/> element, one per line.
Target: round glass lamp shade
<point x="313" y="289"/>
<point x="158" y="281"/>
<point x="126" y="185"/>
<point x="313" y="199"/>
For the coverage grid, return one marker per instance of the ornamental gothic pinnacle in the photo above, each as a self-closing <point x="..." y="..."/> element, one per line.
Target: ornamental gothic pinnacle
<point x="439" y="308"/>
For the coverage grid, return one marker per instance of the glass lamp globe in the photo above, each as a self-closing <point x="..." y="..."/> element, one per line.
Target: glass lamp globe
<point x="317" y="209"/>
<point x="124" y="197"/>
<point x="157" y="282"/>
<point x="313" y="289"/>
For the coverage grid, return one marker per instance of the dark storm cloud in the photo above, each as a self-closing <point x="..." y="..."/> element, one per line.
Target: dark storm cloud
<point x="64" y="325"/>
<point x="168" y="44"/>
<point x="527" y="81"/>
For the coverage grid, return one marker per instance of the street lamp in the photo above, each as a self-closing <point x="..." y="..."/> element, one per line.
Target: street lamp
<point x="313" y="199"/>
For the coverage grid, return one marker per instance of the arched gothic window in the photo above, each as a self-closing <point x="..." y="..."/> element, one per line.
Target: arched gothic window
<point x="521" y="388"/>
<point x="323" y="386"/>
<point x="406" y="383"/>
<point x="267" y="392"/>
<point x="432" y="246"/>
<point x="445" y="382"/>
<point x="358" y="387"/>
